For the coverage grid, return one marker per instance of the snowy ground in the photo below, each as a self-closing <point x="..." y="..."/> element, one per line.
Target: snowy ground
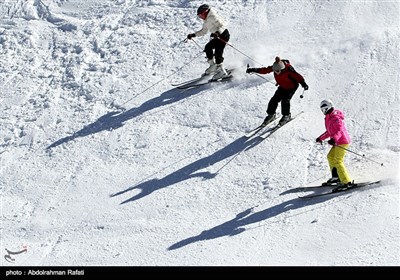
<point x="104" y="163"/>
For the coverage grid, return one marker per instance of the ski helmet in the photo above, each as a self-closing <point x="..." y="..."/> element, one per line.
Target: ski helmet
<point x="202" y="9"/>
<point x="326" y="105"/>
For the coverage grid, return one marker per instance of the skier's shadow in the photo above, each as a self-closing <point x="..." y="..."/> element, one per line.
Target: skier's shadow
<point x="247" y="217"/>
<point x="114" y="120"/>
<point x="190" y="171"/>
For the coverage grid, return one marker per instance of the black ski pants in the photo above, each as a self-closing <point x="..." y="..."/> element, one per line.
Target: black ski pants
<point x="218" y="45"/>
<point x="283" y="96"/>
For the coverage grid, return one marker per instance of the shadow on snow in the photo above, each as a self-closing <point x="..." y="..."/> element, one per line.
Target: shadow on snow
<point x="114" y="120"/>
<point x="247" y="217"/>
<point x="190" y="171"/>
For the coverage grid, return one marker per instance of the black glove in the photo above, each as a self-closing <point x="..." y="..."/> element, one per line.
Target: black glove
<point x="251" y="70"/>
<point x="215" y="35"/>
<point x="191" y="35"/>
<point x="304" y="85"/>
<point x="331" y="142"/>
<point x="318" y="140"/>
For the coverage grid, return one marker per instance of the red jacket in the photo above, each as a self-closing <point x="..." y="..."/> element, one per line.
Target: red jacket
<point x="287" y="79"/>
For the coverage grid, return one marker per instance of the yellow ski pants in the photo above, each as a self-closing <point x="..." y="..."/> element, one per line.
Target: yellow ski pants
<point x="336" y="159"/>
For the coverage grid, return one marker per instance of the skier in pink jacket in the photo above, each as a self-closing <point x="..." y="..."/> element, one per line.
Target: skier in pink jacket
<point x="340" y="140"/>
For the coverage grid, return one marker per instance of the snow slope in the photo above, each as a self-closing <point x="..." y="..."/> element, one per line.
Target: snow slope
<point x="103" y="162"/>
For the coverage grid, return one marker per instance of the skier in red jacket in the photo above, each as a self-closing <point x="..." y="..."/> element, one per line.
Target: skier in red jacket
<point x="287" y="80"/>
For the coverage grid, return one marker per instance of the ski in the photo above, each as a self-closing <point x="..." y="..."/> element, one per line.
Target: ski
<point x="273" y="129"/>
<point x="254" y="131"/>
<point x="188" y="82"/>
<point x="203" y="81"/>
<point x="257" y="129"/>
<point x="334" y="191"/>
<point x="309" y="188"/>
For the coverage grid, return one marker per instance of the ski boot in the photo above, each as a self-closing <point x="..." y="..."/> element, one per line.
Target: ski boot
<point x="211" y="69"/>
<point x="220" y="72"/>
<point x="344" y="187"/>
<point x="284" y="119"/>
<point x="268" y="119"/>
<point x="334" y="181"/>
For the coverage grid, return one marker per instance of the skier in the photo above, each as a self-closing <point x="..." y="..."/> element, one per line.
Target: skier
<point x="220" y="36"/>
<point x="340" y="140"/>
<point x="287" y="80"/>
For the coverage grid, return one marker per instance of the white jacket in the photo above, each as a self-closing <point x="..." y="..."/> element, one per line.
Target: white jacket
<point x="212" y="23"/>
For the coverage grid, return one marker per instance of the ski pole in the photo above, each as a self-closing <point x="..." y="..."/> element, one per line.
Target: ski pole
<point x="173" y="73"/>
<point x="301" y="95"/>
<point x="359" y="154"/>
<point x="194" y="42"/>
<point x="248" y="66"/>
<point x="239" y="51"/>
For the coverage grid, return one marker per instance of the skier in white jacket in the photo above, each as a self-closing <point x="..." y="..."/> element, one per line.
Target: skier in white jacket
<point x="220" y="36"/>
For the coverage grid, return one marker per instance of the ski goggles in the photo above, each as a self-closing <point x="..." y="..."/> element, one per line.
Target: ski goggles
<point x="203" y="15"/>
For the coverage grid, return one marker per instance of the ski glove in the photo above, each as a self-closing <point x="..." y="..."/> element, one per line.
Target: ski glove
<point x="251" y="70"/>
<point x="191" y="35"/>
<point x="215" y="35"/>
<point x="331" y="142"/>
<point x="318" y="140"/>
<point x="304" y="85"/>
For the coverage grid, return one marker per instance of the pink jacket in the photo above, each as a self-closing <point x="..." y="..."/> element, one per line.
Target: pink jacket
<point x="335" y="128"/>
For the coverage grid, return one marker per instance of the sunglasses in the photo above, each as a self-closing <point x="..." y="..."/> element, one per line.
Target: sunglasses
<point x="202" y="15"/>
<point x="324" y="108"/>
